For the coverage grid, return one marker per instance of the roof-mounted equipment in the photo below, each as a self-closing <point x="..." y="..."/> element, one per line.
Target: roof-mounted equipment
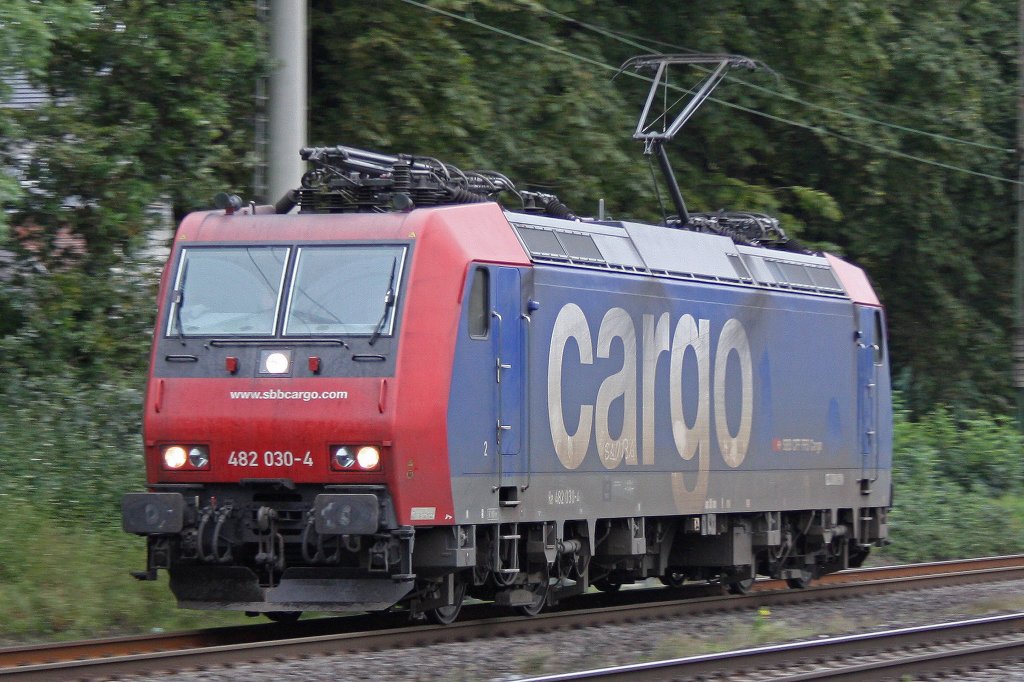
<point x="756" y="229"/>
<point x="347" y="180"/>
<point x="654" y="139"/>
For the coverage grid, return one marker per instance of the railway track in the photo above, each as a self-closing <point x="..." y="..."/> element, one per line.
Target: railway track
<point x="947" y="648"/>
<point x="196" y="649"/>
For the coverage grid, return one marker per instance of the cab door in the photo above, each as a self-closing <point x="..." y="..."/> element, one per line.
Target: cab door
<point x="869" y="361"/>
<point x="508" y="340"/>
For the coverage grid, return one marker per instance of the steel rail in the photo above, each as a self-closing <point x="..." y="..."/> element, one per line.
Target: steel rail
<point x="146" y="654"/>
<point x="943" y="647"/>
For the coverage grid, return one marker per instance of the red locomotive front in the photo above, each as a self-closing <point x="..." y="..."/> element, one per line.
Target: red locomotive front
<point x="287" y="464"/>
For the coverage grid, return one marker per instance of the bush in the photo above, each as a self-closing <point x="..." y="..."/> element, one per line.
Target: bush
<point x="69" y="449"/>
<point x="948" y="477"/>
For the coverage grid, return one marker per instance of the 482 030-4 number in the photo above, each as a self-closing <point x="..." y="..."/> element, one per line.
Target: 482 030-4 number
<point x="269" y="458"/>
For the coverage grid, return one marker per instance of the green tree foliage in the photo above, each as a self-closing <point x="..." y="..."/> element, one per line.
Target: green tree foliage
<point x="415" y="81"/>
<point x="147" y="101"/>
<point x="27" y="30"/>
<point x="67" y="323"/>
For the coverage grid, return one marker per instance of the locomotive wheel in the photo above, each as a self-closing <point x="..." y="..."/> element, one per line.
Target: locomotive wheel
<point x="446" y="615"/>
<point x="607" y="586"/>
<point x="800" y="583"/>
<point x="858" y="555"/>
<point x="540" y="600"/>
<point x="672" y="579"/>
<point x="283" y="616"/>
<point x="733" y="586"/>
<point x="741" y="587"/>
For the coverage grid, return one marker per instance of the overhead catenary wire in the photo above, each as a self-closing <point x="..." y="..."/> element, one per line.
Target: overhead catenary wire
<point x="646" y="44"/>
<point x="818" y="129"/>
<point x="626" y="40"/>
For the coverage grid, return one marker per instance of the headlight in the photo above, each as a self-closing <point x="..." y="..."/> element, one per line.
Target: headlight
<point x="275" y="362"/>
<point x="198" y="457"/>
<point x="344" y="458"/>
<point x="368" y="457"/>
<point x="175" y="457"/>
<point x="187" y="457"/>
<point x="355" y="458"/>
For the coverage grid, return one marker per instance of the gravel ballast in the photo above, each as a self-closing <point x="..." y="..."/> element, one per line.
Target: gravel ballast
<point x="503" y="660"/>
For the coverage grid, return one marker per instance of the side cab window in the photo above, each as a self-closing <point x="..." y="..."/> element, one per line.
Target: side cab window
<point x="480" y="304"/>
<point x="879" y="338"/>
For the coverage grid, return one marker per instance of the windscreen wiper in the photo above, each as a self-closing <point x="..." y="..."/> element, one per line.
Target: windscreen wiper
<point x="389" y="300"/>
<point x="179" y="300"/>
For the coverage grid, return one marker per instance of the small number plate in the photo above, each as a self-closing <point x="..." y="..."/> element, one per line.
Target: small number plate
<point x="269" y="458"/>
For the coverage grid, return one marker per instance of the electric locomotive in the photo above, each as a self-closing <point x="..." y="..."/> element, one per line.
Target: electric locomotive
<point x="401" y="394"/>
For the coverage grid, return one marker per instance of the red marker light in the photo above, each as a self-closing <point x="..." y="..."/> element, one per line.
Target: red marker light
<point x="314" y="364"/>
<point x="231" y="364"/>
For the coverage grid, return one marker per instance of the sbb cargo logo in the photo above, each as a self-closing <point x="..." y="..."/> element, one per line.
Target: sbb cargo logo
<point x="639" y="366"/>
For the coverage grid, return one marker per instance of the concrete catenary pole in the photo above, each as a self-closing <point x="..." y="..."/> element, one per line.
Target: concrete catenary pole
<point x="287" y="106"/>
<point x="1018" y="340"/>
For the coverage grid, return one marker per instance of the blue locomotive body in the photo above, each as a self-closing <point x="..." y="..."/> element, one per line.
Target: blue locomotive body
<point x="729" y="395"/>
